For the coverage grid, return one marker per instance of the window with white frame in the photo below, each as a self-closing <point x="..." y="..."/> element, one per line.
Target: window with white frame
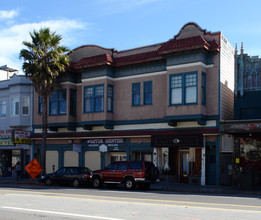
<point x="190" y="88"/>
<point x="2" y="109"/>
<point x="25" y="105"/>
<point x="15" y="105"/>
<point x="183" y="88"/>
<point x="176" y="90"/>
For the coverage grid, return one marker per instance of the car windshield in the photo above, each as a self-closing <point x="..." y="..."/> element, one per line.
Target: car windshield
<point x="122" y="166"/>
<point x="112" y="166"/>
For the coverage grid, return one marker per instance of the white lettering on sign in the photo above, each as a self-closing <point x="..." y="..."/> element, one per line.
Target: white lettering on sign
<point x="114" y="142"/>
<point x="22" y="134"/>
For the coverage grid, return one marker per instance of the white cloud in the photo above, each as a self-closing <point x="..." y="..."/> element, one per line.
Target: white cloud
<point x="11" y="38"/>
<point x="8" y="14"/>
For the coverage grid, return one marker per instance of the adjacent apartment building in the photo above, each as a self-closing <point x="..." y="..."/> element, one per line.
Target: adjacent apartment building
<point x="16" y="95"/>
<point x="161" y="103"/>
<point x="245" y="130"/>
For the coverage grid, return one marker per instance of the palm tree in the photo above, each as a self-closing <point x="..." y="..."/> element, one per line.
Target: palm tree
<point x="44" y="60"/>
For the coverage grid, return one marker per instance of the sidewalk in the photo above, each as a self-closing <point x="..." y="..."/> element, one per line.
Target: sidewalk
<point x="161" y="186"/>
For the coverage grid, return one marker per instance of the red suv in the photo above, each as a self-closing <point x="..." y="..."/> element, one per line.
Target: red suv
<point x="128" y="173"/>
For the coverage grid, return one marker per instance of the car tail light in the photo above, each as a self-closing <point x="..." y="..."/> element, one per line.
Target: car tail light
<point x="141" y="174"/>
<point x="86" y="176"/>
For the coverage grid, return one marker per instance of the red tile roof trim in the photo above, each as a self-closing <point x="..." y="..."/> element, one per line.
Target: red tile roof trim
<point x="137" y="58"/>
<point x="191" y="43"/>
<point x="104" y="59"/>
<point x="171" y="46"/>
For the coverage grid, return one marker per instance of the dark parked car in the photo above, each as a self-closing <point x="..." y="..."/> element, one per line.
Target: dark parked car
<point x="68" y="175"/>
<point x="129" y="173"/>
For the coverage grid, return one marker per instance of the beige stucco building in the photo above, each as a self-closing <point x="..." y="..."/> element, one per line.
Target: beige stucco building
<point x="161" y="103"/>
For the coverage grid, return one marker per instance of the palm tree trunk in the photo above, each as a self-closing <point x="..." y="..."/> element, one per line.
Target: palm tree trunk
<point x="44" y="124"/>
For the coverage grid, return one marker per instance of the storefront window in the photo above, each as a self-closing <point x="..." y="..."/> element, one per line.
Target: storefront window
<point x="250" y="153"/>
<point x="175" y="161"/>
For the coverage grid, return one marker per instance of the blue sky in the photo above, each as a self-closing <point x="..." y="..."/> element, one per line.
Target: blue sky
<point x="125" y="24"/>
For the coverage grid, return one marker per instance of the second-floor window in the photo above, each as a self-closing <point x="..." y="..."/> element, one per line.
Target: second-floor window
<point x="203" y="89"/>
<point x="57" y="102"/>
<point x="25" y="105"/>
<point x="147" y="93"/>
<point x="183" y="88"/>
<point x="176" y="90"/>
<point x="94" y="98"/>
<point x="110" y="98"/>
<point x="72" y="101"/>
<point x="2" y="109"/>
<point x="190" y="88"/>
<point x="15" y="105"/>
<point x="136" y="94"/>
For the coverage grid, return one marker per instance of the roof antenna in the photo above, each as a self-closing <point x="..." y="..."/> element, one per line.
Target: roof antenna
<point x="236" y="49"/>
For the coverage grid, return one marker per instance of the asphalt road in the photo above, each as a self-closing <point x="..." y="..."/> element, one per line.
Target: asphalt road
<point x="113" y="204"/>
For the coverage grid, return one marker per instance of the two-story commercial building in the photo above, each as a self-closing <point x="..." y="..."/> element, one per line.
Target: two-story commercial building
<point x="16" y="95"/>
<point x="161" y="103"/>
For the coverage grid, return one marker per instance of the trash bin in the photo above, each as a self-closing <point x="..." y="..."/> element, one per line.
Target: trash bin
<point x="247" y="180"/>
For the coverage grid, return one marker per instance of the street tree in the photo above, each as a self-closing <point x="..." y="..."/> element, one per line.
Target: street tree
<point x="45" y="60"/>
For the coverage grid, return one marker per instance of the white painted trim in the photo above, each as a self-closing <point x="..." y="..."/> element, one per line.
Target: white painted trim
<point x="140" y="75"/>
<point x="69" y="83"/>
<point x="115" y="79"/>
<point x="125" y="77"/>
<point x="189" y="65"/>
<point x="149" y="126"/>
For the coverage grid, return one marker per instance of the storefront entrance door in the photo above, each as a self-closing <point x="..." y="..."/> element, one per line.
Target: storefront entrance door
<point x="184" y="166"/>
<point x="211" y="165"/>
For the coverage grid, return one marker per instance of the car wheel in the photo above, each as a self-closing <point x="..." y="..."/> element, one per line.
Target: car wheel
<point x="96" y="182"/>
<point x="154" y="173"/>
<point x="129" y="183"/>
<point x="76" y="183"/>
<point x="48" y="182"/>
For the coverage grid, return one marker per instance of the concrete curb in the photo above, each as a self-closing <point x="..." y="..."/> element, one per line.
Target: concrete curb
<point x="175" y="188"/>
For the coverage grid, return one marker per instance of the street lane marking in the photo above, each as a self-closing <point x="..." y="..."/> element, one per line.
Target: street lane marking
<point x="151" y="203"/>
<point x="117" y="199"/>
<point x="59" y="213"/>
